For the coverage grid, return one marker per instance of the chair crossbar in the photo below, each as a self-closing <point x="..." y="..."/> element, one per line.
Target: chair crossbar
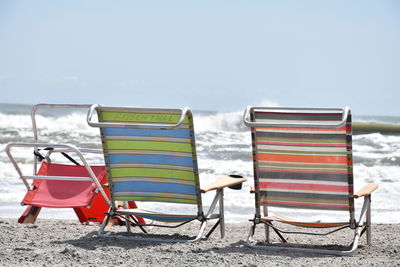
<point x="162" y="225"/>
<point x="305" y="233"/>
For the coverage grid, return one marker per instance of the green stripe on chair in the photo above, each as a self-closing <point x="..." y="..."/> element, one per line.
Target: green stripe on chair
<point x="148" y="145"/>
<point x="148" y="172"/>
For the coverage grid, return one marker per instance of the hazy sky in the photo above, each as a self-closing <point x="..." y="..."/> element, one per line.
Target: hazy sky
<point x="209" y="55"/>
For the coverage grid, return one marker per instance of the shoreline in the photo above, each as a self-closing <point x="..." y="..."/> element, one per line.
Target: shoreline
<point x="69" y="243"/>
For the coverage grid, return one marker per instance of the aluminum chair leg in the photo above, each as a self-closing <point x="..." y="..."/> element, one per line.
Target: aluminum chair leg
<point x="105" y="222"/>
<point x="266" y="226"/>
<point x="251" y="233"/>
<point x="201" y="232"/>
<point x="128" y="225"/>
<point x="221" y="213"/>
<point x="368" y="222"/>
<point x="218" y="199"/>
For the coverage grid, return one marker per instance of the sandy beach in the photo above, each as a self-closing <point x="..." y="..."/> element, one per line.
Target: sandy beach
<point x="68" y="243"/>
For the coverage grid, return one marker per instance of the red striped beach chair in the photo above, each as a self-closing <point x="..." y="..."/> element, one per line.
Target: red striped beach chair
<point x="150" y="156"/>
<point x="303" y="160"/>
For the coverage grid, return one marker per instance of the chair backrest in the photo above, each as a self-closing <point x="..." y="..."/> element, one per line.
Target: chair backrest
<point x="146" y="158"/>
<point x="302" y="158"/>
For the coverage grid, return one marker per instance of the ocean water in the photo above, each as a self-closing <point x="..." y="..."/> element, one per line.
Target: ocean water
<point x="223" y="147"/>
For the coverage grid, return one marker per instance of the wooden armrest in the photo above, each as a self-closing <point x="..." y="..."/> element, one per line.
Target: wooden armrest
<point x="366" y="190"/>
<point x="223" y="182"/>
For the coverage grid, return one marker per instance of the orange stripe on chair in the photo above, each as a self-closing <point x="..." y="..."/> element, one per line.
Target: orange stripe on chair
<point x="302" y="171"/>
<point x="302" y="158"/>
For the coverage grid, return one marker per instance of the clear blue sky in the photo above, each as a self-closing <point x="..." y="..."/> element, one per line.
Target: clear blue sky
<point x="209" y="55"/>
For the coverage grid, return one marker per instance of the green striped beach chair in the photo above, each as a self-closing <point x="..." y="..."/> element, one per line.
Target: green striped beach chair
<point x="150" y="156"/>
<point x="303" y="160"/>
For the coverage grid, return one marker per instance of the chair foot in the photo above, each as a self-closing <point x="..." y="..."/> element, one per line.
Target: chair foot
<point x="30" y="214"/>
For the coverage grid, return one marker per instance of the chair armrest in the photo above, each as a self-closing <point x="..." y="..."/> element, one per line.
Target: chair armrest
<point x="366" y="190"/>
<point x="223" y="182"/>
<point x="252" y="190"/>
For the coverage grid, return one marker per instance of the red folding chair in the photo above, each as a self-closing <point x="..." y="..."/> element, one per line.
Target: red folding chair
<point x="76" y="186"/>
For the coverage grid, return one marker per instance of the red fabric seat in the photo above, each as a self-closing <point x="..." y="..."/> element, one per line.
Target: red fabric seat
<point x="82" y="196"/>
<point x="64" y="194"/>
<point x="78" y="195"/>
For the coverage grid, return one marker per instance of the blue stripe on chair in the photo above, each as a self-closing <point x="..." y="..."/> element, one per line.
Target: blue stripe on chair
<point x="182" y="133"/>
<point x="152" y="159"/>
<point x="154" y="187"/>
